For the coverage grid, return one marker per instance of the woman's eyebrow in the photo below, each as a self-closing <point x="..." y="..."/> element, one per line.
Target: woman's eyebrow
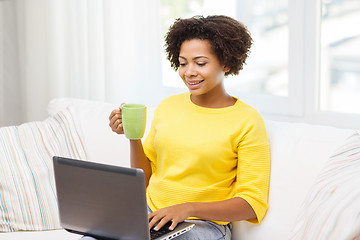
<point x="197" y="57"/>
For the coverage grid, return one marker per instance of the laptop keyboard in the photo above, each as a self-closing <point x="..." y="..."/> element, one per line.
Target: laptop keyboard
<point x="165" y="229"/>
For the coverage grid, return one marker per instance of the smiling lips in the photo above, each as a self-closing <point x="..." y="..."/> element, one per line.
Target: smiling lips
<point x="194" y="83"/>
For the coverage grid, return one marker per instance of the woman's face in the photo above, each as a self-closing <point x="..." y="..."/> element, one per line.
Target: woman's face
<point x="200" y="68"/>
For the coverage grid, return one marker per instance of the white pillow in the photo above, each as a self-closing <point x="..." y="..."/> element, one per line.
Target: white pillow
<point x="331" y="209"/>
<point x="27" y="191"/>
<point x="102" y="145"/>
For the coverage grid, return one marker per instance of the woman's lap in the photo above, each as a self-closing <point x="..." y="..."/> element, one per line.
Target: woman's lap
<point x="202" y="230"/>
<point x="207" y="230"/>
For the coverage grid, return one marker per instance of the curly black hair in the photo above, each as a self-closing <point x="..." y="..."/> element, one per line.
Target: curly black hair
<point x="230" y="39"/>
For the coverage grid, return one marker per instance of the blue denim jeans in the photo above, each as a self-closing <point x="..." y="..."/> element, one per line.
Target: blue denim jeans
<point x="207" y="230"/>
<point x="203" y="230"/>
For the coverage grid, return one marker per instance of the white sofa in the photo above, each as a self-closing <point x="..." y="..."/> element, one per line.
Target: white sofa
<point x="309" y="198"/>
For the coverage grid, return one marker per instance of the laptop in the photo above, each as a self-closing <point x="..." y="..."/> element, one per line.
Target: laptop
<point x="104" y="201"/>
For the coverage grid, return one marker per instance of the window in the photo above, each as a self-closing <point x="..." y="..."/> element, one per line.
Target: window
<point x="305" y="61"/>
<point x="340" y="56"/>
<point x="266" y="71"/>
<point x="266" y="74"/>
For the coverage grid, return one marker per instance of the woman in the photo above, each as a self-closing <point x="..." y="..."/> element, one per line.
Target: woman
<point x="206" y="158"/>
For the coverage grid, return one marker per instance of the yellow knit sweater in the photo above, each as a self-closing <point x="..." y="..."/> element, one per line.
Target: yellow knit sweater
<point x="202" y="154"/>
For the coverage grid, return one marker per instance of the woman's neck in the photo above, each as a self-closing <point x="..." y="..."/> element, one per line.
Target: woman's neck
<point x="211" y="101"/>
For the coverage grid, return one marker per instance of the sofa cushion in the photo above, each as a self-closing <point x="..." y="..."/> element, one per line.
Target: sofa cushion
<point x="298" y="152"/>
<point x="60" y="234"/>
<point x="27" y="191"/>
<point x="331" y="209"/>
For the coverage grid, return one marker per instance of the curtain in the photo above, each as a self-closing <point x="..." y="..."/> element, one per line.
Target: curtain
<point x="106" y="50"/>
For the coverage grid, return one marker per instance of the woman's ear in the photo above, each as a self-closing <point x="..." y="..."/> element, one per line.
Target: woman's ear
<point x="226" y="69"/>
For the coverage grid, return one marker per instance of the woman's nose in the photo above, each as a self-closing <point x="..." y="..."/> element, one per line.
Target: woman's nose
<point x="190" y="71"/>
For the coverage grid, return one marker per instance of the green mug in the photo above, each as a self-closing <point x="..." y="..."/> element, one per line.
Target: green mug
<point x="134" y="120"/>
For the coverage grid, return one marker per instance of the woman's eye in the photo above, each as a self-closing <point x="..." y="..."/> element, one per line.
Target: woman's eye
<point x="201" y="63"/>
<point x="182" y="64"/>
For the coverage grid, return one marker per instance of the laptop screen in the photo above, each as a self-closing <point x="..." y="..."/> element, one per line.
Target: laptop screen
<point x="101" y="200"/>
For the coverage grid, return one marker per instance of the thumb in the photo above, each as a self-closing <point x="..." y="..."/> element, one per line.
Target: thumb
<point x="121" y="105"/>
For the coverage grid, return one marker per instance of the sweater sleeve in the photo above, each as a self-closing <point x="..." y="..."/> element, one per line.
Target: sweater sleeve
<point x="253" y="172"/>
<point x="149" y="144"/>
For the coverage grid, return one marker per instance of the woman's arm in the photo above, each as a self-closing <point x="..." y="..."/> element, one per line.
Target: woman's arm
<point x="138" y="159"/>
<point x="234" y="209"/>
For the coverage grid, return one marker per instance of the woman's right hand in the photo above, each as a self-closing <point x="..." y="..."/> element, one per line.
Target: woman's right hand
<point x="116" y="123"/>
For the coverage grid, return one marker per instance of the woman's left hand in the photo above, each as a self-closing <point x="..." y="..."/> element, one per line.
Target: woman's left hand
<point x="175" y="214"/>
